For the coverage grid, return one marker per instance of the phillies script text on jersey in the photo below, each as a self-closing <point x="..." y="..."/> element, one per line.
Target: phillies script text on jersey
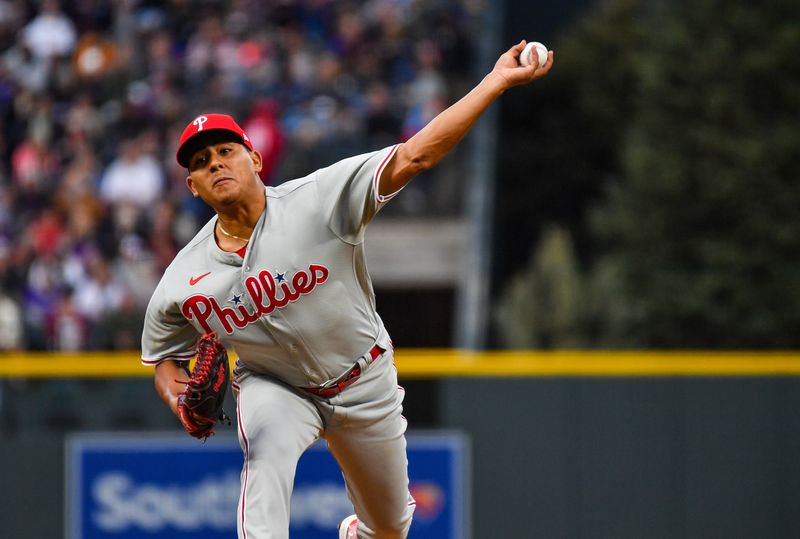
<point x="264" y="292"/>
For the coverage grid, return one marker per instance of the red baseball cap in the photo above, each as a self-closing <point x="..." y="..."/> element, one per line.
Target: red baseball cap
<point x="206" y="124"/>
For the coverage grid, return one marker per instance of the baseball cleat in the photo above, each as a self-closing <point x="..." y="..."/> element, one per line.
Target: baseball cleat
<point x="347" y="528"/>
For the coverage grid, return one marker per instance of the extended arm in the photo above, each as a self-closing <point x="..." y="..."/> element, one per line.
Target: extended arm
<point x="426" y="148"/>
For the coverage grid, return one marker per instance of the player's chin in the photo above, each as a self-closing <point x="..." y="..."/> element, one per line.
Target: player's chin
<point x="225" y="188"/>
<point x="223" y="196"/>
<point x="228" y="199"/>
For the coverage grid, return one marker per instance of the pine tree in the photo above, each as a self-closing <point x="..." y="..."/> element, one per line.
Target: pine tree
<point x="541" y="307"/>
<point x="700" y="233"/>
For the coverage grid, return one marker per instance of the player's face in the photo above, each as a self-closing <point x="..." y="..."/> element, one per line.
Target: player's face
<point x="224" y="173"/>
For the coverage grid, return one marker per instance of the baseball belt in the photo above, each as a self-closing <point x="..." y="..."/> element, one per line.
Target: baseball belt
<point x="336" y="386"/>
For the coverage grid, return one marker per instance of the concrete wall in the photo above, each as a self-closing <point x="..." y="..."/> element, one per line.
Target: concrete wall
<point x="616" y="458"/>
<point x="552" y="457"/>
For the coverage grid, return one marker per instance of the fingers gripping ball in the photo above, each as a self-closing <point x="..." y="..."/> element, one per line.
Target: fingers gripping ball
<point x="200" y="405"/>
<point x="526" y="57"/>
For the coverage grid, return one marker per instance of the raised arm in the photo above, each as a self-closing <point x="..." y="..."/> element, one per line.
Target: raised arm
<point x="425" y="149"/>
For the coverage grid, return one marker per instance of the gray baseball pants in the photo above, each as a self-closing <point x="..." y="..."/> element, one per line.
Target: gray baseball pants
<point x="365" y="433"/>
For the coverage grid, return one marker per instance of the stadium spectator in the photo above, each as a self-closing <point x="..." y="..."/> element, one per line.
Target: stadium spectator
<point x="51" y="33"/>
<point x="11" y="324"/>
<point x="66" y="328"/>
<point x="100" y="292"/>
<point x="11" y="329"/>
<point x="134" y="176"/>
<point x="93" y="93"/>
<point x="266" y="135"/>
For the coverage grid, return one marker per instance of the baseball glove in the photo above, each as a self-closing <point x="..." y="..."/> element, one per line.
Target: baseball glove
<point x="200" y="405"/>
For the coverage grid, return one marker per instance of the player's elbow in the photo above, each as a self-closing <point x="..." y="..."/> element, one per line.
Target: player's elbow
<point x="413" y="161"/>
<point x="423" y="163"/>
<point x="400" y="170"/>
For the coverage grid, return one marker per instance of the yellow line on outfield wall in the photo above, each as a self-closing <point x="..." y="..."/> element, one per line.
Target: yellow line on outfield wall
<point x="435" y="363"/>
<point x="425" y="363"/>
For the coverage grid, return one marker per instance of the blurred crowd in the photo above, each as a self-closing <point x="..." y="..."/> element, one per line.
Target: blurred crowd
<point x="94" y="95"/>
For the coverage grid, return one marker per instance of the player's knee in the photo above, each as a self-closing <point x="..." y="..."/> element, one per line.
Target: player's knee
<point x="394" y="530"/>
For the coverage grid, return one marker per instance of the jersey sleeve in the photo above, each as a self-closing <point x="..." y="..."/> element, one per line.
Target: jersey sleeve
<point x="348" y="192"/>
<point x="167" y="334"/>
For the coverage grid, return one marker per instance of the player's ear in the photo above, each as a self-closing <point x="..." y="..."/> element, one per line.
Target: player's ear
<point x="190" y="185"/>
<point x="258" y="161"/>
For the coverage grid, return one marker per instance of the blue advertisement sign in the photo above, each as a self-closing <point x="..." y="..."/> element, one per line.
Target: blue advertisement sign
<point x="157" y="486"/>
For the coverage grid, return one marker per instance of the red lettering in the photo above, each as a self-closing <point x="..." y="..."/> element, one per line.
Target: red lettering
<point x="301" y="282"/>
<point x="248" y="317"/>
<point x="268" y="282"/>
<point x="264" y="294"/>
<point x="227" y="316"/>
<point x="288" y="293"/>
<point x="198" y="307"/>
<point x="321" y="270"/>
<point x="256" y="293"/>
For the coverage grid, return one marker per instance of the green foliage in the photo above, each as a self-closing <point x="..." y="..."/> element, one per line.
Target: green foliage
<point x="700" y="235"/>
<point x="682" y="118"/>
<point x="560" y="135"/>
<point x="541" y="307"/>
<point x="588" y="103"/>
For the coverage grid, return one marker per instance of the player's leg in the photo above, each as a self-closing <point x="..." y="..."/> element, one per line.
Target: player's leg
<point x="375" y="468"/>
<point x="367" y="438"/>
<point x="276" y="425"/>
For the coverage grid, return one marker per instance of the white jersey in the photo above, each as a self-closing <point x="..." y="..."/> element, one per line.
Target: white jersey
<point x="299" y="305"/>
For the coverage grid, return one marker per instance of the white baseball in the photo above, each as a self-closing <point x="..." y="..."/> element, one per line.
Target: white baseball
<point x="526" y="58"/>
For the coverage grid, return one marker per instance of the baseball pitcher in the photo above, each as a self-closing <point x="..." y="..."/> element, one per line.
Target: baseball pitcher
<point x="279" y="274"/>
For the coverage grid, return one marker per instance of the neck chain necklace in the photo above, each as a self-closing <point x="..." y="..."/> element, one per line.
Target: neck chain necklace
<point x="229" y="234"/>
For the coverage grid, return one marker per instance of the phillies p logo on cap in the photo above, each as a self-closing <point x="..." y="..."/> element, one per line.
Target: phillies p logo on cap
<point x="207" y="123"/>
<point x="199" y="121"/>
